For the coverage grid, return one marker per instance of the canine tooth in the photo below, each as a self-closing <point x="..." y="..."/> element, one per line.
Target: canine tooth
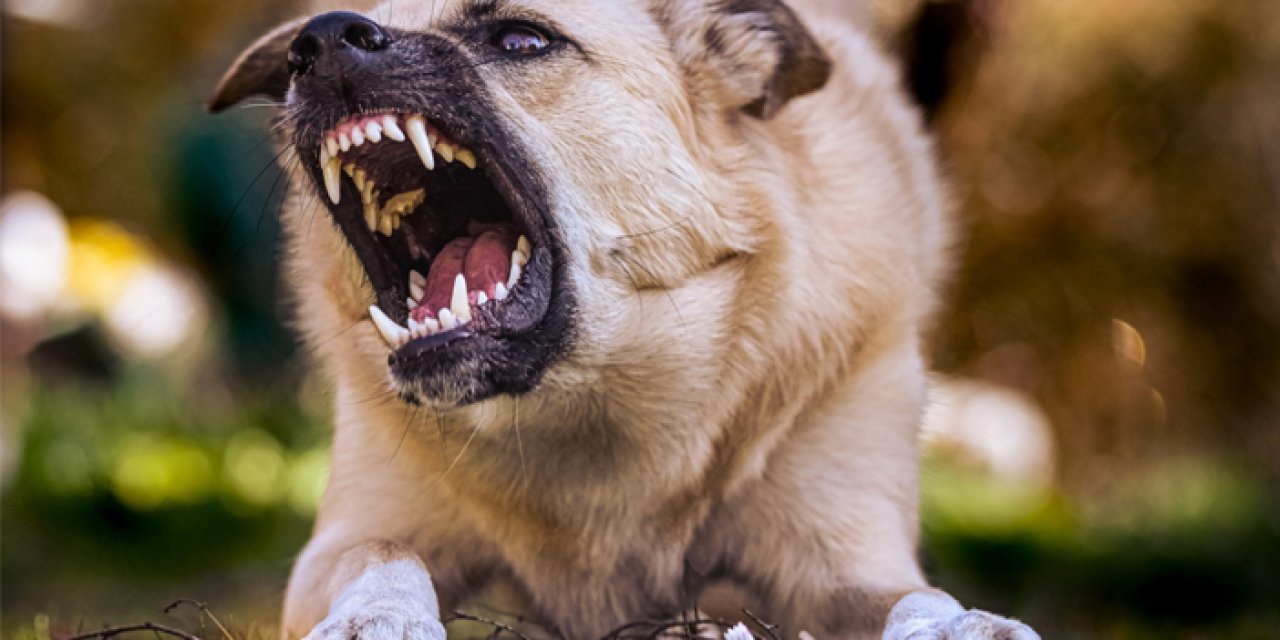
<point x="392" y="129"/>
<point x="357" y="136"/>
<point x="331" y="145"/>
<point x="466" y="157"/>
<point x="500" y="292"/>
<point x="385" y="226"/>
<point x="373" y="131"/>
<point x="445" y="150"/>
<point x="417" y="127"/>
<point x="519" y="257"/>
<point x="515" y="275"/>
<point x="459" y="304"/>
<point x="344" y="143"/>
<point x="447" y="321"/>
<point x="371" y="216"/>
<point x="392" y="333"/>
<point x="522" y="245"/>
<point x="482" y="298"/>
<point x="332" y="174"/>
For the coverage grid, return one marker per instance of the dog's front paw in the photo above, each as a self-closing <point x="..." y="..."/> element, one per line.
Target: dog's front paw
<point x="933" y="615"/>
<point x="378" y="622"/>
<point x="387" y="601"/>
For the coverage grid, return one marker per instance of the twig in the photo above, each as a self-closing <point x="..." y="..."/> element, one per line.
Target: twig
<point x="458" y="615"/>
<point x="146" y="626"/>
<point x="768" y="628"/>
<point x="653" y="629"/>
<point x="204" y="611"/>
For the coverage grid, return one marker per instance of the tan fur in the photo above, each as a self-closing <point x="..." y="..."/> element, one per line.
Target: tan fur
<point x="747" y="381"/>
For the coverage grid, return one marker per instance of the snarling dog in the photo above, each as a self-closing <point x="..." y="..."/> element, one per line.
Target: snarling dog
<point x="621" y="301"/>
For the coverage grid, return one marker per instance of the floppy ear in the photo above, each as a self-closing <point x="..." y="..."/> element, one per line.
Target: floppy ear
<point x="756" y="53"/>
<point x="262" y="69"/>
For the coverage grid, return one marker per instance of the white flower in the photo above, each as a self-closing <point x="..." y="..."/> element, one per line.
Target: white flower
<point x="738" y="632"/>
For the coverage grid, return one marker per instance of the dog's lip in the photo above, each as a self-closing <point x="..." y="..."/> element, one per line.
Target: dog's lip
<point x="413" y="338"/>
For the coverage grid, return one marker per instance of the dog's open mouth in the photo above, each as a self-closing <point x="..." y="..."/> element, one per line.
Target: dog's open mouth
<point x="440" y="240"/>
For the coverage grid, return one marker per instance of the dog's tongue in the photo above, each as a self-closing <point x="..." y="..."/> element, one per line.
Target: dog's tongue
<point x="485" y="261"/>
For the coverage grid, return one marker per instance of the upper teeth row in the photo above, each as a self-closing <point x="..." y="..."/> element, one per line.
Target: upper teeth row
<point x="423" y="136"/>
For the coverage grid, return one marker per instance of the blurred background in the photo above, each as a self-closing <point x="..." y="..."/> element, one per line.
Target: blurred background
<point x="1102" y="458"/>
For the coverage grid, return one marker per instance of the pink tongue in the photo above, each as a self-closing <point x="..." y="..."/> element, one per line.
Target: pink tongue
<point x="484" y="260"/>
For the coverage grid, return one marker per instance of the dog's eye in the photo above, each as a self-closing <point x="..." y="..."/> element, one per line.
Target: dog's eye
<point x="519" y="40"/>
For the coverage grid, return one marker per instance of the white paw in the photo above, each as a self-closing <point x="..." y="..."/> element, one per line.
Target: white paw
<point x="391" y="601"/>
<point x="378" y="622"/>
<point x="933" y="615"/>
<point x="978" y="625"/>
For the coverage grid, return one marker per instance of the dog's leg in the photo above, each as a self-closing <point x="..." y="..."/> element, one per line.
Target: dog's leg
<point x="376" y="590"/>
<point x="934" y="615"/>
<point x="828" y="535"/>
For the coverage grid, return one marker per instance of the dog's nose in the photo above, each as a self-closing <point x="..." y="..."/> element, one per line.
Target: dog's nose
<point x="333" y="35"/>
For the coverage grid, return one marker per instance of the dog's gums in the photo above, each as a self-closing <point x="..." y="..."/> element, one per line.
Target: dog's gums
<point x="472" y="251"/>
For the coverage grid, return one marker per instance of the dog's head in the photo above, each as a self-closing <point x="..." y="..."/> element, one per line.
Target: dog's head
<point x="511" y="175"/>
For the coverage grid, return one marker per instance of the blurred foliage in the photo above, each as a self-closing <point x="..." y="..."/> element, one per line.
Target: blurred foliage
<point x="1117" y="171"/>
<point x="1118" y="165"/>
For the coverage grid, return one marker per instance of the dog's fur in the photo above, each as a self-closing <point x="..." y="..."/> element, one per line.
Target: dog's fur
<point x="734" y="419"/>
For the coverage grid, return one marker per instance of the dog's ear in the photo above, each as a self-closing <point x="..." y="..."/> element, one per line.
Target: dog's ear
<point x="757" y="53"/>
<point x="262" y="69"/>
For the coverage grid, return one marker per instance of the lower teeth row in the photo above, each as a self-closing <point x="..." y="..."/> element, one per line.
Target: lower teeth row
<point x="456" y="315"/>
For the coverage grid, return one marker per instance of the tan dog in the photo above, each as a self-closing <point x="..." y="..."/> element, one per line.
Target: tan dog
<point x="647" y="280"/>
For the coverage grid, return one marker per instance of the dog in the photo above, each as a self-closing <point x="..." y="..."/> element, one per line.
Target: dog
<point x="621" y="302"/>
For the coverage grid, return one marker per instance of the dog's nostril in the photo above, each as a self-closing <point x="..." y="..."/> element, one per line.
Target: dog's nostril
<point x="366" y="35"/>
<point x="303" y="53"/>
<point x="330" y="34"/>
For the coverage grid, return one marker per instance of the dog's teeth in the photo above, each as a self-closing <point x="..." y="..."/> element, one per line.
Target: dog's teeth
<point x="417" y="285"/>
<point x="515" y="272"/>
<point x="332" y="175"/>
<point x="404" y="203"/>
<point x="392" y="333"/>
<point x="373" y="131"/>
<point x="411" y="303"/>
<point x="369" y="193"/>
<point x="344" y="143"/>
<point x="500" y="292"/>
<point x="466" y="157"/>
<point x="459" y="304"/>
<point x="331" y="144"/>
<point x="392" y="129"/>
<point x="482" y="299"/>
<point x="350" y="170"/>
<point x="357" y="136"/>
<point x="385" y="226"/>
<point x="519" y="257"/>
<point x="447" y="321"/>
<point x="445" y="150"/>
<point x="431" y="324"/>
<point x="417" y="128"/>
<point x="359" y="177"/>
<point x="416" y="329"/>
<point x="371" y="216"/>
<point x="523" y="246"/>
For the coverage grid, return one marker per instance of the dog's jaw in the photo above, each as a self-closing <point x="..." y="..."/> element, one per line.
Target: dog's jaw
<point x="435" y="197"/>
